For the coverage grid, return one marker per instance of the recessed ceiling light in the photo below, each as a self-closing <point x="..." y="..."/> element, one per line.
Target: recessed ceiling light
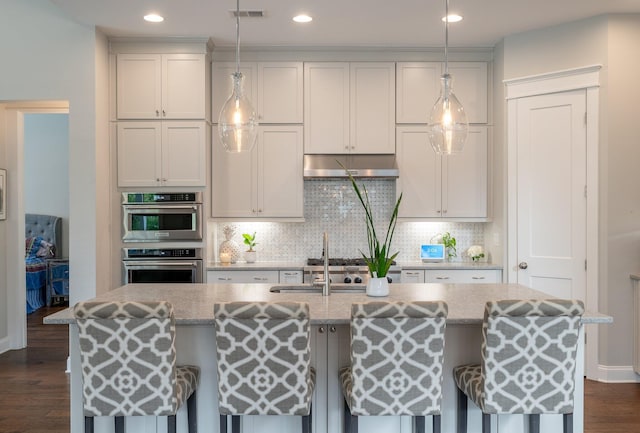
<point x="153" y="18"/>
<point x="302" y="18"/>
<point x="453" y="18"/>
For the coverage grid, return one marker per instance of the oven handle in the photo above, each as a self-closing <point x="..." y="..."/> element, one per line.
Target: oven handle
<point x="134" y="264"/>
<point x="160" y="209"/>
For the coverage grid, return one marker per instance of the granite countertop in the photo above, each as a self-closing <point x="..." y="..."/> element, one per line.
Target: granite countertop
<point x="193" y="303"/>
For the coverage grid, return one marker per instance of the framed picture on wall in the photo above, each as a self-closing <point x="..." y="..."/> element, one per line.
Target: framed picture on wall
<point x="3" y="194"/>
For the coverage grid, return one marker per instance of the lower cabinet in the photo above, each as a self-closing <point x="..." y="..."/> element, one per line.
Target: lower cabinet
<point x="243" y="277"/>
<point x="411" y="276"/>
<point x="478" y="276"/>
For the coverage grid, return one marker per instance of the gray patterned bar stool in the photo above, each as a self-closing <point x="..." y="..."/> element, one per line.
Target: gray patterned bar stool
<point x="128" y="357"/>
<point x="397" y="351"/>
<point x="263" y="354"/>
<point x="528" y="362"/>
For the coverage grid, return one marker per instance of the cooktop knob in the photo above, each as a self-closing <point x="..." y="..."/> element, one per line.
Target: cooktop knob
<point x="357" y="280"/>
<point x="389" y="279"/>
<point x="347" y="280"/>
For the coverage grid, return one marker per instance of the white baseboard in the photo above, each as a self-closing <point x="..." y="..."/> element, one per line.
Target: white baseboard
<point x="617" y="374"/>
<point x="5" y="346"/>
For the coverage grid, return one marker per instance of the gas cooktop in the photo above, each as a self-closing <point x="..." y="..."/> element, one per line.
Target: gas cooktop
<point x="339" y="262"/>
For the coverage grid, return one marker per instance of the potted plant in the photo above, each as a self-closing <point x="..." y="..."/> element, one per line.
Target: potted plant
<point x="250" y="240"/>
<point x="449" y="245"/>
<point x="379" y="258"/>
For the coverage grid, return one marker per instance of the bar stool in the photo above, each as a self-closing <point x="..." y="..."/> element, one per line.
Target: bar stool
<point x="528" y="362"/>
<point x="263" y="355"/>
<point x="128" y="358"/>
<point x="397" y="351"/>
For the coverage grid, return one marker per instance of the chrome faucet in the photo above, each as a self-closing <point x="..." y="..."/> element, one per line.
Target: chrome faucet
<point x="326" y="281"/>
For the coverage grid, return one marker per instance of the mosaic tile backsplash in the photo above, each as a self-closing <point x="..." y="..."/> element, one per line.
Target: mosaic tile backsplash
<point x="332" y="205"/>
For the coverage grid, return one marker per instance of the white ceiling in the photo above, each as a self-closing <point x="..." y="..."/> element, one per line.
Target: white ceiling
<point x="380" y="23"/>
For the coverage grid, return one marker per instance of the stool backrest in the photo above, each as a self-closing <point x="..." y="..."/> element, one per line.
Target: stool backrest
<point x="128" y="358"/>
<point x="264" y="356"/>
<point x="529" y="355"/>
<point x="397" y="351"/>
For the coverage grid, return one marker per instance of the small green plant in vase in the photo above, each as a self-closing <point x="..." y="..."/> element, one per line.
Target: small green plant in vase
<point x="250" y="241"/>
<point x="449" y="245"/>
<point x="379" y="258"/>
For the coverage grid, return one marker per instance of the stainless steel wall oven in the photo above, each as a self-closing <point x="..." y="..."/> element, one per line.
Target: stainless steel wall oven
<point x="156" y="217"/>
<point x="162" y="265"/>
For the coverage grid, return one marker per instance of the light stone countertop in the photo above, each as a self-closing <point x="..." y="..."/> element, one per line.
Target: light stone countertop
<point x="298" y="266"/>
<point x="193" y="303"/>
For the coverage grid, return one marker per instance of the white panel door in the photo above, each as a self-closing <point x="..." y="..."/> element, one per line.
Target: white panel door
<point x="184" y="154"/>
<point x="183" y="86"/>
<point x="551" y="202"/>
<point x="139" y="153"/>
<point x="138" y="86"/>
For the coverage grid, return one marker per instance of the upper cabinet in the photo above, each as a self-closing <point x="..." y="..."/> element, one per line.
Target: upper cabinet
<point x="442" y="187"/>
<point x="418" y="88"/>
<point x="274" y="88"/>
<point x="349" y="107"/>
<point x="160" y="86"/>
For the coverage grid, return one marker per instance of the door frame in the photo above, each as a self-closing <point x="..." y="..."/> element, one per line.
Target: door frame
<point x="585" y="78"/>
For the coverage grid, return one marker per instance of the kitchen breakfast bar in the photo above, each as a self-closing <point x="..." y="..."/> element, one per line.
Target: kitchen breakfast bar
<point x="330" y="316"/>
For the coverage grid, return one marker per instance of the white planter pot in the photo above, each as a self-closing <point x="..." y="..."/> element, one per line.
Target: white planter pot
<point x="378" y="287"/>
<point x="250" y="256"/>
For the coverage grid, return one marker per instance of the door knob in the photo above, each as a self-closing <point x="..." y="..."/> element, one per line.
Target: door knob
<point x="523" y="265"/>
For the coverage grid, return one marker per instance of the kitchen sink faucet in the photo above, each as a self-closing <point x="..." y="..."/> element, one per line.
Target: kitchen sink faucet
<point x="325" y="282"/>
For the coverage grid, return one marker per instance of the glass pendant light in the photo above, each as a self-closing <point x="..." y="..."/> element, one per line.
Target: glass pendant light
<point x="448" y="125"/>
<point x="238" y="121"/>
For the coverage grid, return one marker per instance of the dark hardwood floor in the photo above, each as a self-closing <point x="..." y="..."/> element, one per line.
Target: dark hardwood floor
<point x="34" y="389"/>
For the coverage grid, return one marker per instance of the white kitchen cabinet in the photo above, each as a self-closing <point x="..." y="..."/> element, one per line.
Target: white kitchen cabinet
<point x="265" y="183"/>
<point x="160" y="86"/>
<point x="242" y="277"/>
<point x="167" y="153"/>
<point x="412" y="276"/>
<point x="291" y="277"/>
<point x="274" y="88"/>
<point x="349" y="107"/>
<point x="473" y="276"/>
<point x="418" y="88"/>
<point x="442" y="187"/>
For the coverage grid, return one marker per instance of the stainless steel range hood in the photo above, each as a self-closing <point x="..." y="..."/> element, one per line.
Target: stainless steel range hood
<point x="358" y="165"/>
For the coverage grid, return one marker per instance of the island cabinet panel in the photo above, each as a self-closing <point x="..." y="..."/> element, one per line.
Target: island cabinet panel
<point x="349" y="107"/>
<point x="265" y="183"/>
<point x="412" y="276"/>
<point x="471" y="276"/>
<point x="160" y="86"/>
<point x="241" y="276"/>
<point x="445" y="188"/>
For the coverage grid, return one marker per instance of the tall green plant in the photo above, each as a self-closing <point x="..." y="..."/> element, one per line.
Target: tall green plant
<point x="378" y="261"/>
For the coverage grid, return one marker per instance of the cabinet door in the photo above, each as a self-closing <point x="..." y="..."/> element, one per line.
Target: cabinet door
<point x="420" y="174"/>
<point x="326" y="107"/>
<point x="233" y="181"/>
<point x="280" y="181"/>
<point x="470" y="83"/>
<point x="138" y="86"/>
<point x="184" y="154"/>
<point x="465" y="178"/>
<point x="372" y="114"/>
<point x="280" y="92"/>
<point x="417" y="89"/>
<point x="222" y="84"/>
<point x="183" y="86"/>
<point x="139" y="153"/>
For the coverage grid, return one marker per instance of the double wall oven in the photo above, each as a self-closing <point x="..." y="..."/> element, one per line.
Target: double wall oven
<point x="167" y="218"/>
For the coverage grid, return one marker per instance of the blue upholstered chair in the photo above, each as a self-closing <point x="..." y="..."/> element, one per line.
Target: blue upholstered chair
<point x="528" y="362"/>
<point x="128" y="357"/>
<point x="263" y="355"/>
<point x="397" y="351"/>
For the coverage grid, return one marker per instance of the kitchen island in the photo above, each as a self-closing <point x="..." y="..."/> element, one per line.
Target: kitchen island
<point x="330" y="315"/>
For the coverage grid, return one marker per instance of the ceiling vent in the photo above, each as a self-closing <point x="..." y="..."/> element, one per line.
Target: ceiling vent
<point x="247" y="14"/>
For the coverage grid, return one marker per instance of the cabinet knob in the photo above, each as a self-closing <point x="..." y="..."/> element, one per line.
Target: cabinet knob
<point x="157" y="113"/>
<point x="321" y="330"/>
<point x="164" y="114"/>
<point x="444" y="211"/>
<point x="332" y="329"/>
<point x="157" y="179"/>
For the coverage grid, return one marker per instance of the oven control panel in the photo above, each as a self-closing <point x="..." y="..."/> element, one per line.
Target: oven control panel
<point x="166" y="253"/>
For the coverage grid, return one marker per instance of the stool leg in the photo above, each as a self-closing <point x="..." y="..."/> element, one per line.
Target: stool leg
<point x="223" y="424"/>
<point x="171" y="424"/>
<point x="119" y="421"/>
<point x="437" y="424"/>
<point x="235" y="423"/>
<point x="534" y="423"/>
<point x="88" y="424"/>
<point x="192" y="413"/>
<point x="350" y="421"/>
<point x="486" y="423"/>
<point x="462" y="412"/>
<point x="567" y="422"/>
<point x="419" y="422"/>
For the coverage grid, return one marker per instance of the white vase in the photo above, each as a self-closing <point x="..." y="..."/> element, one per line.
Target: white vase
<point x="378" y="287"/>
<point x="250" y="256"/>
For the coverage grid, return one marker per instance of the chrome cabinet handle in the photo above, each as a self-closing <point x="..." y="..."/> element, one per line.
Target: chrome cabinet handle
<point x="442" y="278"/>
<point x="224" y="279"/>
<point x="321" y="330"/>
<point x="260" y="278"/>
<point x="477" y="278"/>
<point x="332" y="329"/>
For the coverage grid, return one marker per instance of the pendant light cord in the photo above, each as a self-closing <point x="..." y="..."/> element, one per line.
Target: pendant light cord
<point x="238" y="36"/>
<point x="446" y="38"/>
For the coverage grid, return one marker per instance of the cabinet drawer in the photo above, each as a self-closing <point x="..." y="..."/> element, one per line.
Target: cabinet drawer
<point x="412" y="276"/>
<point x="243" y="277"/>
<point x="448" y="276"/>
<point x="291" y="277"/>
